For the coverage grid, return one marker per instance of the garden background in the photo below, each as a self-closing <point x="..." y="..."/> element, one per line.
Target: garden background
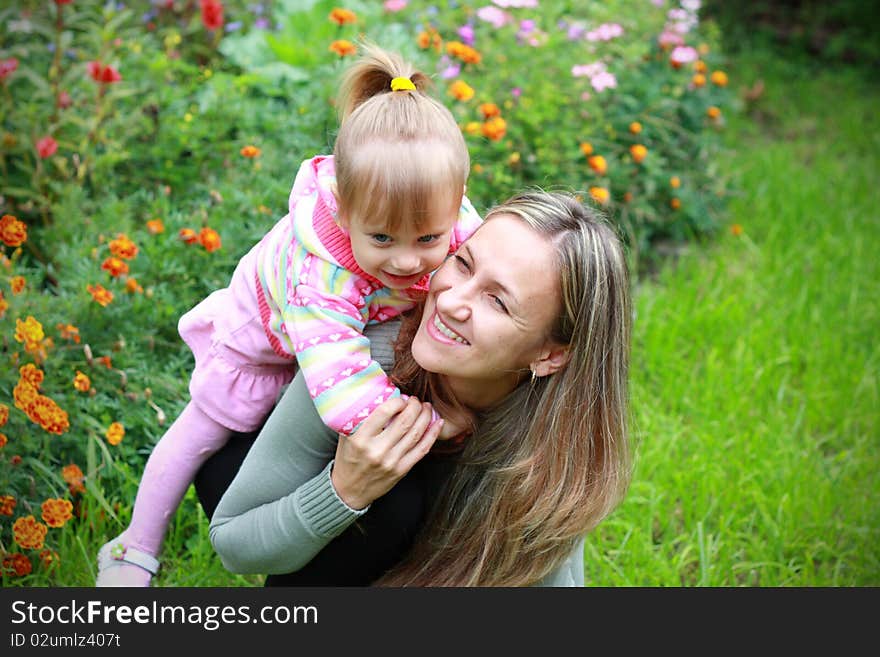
<point x="147" y="145"/>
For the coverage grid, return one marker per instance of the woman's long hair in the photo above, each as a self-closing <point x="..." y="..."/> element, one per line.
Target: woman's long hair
<point x="550" y="461"/>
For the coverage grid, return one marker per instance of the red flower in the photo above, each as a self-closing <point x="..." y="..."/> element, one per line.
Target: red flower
<point x="105" y="74"/>
<point x="7" y="66"/>
<point x="63" y="2"/>
<point x="46" y="147"/>
<point x="212" y="14"/>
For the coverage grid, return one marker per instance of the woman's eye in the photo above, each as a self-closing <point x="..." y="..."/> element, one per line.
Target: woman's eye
<point x="462" y="263"/>
<point x="427" y="239"/>
<point x="499" y="303"/>
<point x="381" y="238"/>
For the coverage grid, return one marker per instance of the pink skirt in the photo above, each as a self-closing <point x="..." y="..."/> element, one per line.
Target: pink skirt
<point x="237" y="376"/>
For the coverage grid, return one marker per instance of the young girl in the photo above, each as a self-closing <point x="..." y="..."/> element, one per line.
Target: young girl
<point x="365" y="229"/>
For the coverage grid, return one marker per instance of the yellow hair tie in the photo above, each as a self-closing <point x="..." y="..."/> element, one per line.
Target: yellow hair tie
<point x="402" y="84"/>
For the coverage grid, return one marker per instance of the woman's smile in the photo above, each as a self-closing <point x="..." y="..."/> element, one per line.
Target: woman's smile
<point x="441" y="332"/>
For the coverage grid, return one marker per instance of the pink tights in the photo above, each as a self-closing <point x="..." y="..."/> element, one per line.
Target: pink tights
<point x="171" y="468"/>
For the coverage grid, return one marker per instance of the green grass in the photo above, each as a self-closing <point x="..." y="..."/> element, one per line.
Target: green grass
<point x="755" y="365"/>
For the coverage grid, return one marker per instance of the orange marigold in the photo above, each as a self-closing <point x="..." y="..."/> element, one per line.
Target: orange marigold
<point x="49" y="415"/>
<point x="105" y="361"/>
<point x="3" y="440"/>
<point x="155" y="226"/>
<point x="699" y="80"/>
<point x="210" y="239"/>
<point x="82" y="382"/>
<point x="4" y="414"/>
<point x="188" y="235"/>
<point x="32" y="374"/>
<point x="488" y="110"/>
<point x="115" y="433"/>
<point x="4" y="305"/>
<point x="675" y="182"/>
<point x="68" y="332"/>
<point x="342" y="47"/>
<point x="461" y="90"/>
<point x="17" y="285"/>
<point x="635" y="127"/>
<point x="29" y="331"/>
<point x="29" y="533"/>
<point x="49" y="558"/>
<point x="465" y="53"/>
<point x="12" y="231"/>
<point x="115" y="266"/>
<point x="429" y="38"/>
<point x="100" y="294"/>
<point x="472" y="127"/>
<point x="250" y="151"/>
<point x="56" y="511"/>
<point x="713" y="112"/>
<point x="495" y="128"/>
<point x="638" y="152"/>
<point x="74" y="477"/>
<point x="598" y="164"/>
<point x="132" y="286"/>
<point x="17" y="564"/>
<point x="343" y="16"/>
<point x="675" y="203"/>
<point x="736" y="230"/>
<point x="700" y="66"/>
<point x="586" y="148"/>
<point x="123" y="247"/>
<point x="24" y="395"/>
<point x="7" y="505"/>
<point x="719" y="78"/>
<point x="600" y="194"/>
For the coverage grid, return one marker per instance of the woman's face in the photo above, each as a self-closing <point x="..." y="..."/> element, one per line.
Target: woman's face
<point x="489" y="310"/>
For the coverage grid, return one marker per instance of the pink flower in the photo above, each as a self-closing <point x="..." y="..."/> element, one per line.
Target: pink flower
<point x="588" y="70"/>
<point x="46" y="147"/>
<point x="668" y="39"/>
<point x="395" y="5"/>
<point x="516" y="3"/>
<point x="684" y="55"/>
<point x="64" y="100"/>
<point x="603" y="80"/>
<point x="7" y="66"/>
<point x="494" y="16"/>
<point x="605" y="32"/>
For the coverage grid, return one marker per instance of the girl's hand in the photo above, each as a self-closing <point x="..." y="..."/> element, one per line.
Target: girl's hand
<point x="385" y="447"/>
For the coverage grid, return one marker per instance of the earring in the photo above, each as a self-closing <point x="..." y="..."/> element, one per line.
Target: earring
<point x="534" y="376"/>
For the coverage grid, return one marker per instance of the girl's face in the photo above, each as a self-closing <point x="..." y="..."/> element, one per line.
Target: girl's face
<point x="489" y="311"/>
<point x="400" y="258"/>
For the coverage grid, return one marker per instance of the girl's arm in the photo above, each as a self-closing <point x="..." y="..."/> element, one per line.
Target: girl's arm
<point x="344" y="381"/>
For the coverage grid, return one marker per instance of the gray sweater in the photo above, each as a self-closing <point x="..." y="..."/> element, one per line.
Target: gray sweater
<point x="281" y="509"/>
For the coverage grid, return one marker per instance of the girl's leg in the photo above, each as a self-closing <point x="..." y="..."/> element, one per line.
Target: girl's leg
<point x="189" y="441"/>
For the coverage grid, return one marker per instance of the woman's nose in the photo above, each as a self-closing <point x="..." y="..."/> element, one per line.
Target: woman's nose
<point x="455" y="303"/>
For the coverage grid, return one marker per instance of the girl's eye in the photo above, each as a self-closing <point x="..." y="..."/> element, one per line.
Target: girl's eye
<point x="427" y="239"/>
<point x="381" y="238"/>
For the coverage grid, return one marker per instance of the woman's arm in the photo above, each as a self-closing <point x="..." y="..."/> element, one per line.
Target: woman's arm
<point x="281" y="508"/>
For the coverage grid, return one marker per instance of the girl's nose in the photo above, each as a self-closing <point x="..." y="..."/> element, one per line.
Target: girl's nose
<point x="406" y="263"/>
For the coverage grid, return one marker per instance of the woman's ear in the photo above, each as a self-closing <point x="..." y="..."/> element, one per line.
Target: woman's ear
<point x="551" y="360"/>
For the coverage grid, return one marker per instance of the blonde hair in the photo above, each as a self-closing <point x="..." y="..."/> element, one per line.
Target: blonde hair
<point x="552" y="459"/>
<point x="398" y="154"/>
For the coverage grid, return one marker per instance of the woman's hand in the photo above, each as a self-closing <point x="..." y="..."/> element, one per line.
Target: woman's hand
<point x="385" y="447"/>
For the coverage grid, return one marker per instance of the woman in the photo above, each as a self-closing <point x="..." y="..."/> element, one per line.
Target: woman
<point x="527" y="329"/>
